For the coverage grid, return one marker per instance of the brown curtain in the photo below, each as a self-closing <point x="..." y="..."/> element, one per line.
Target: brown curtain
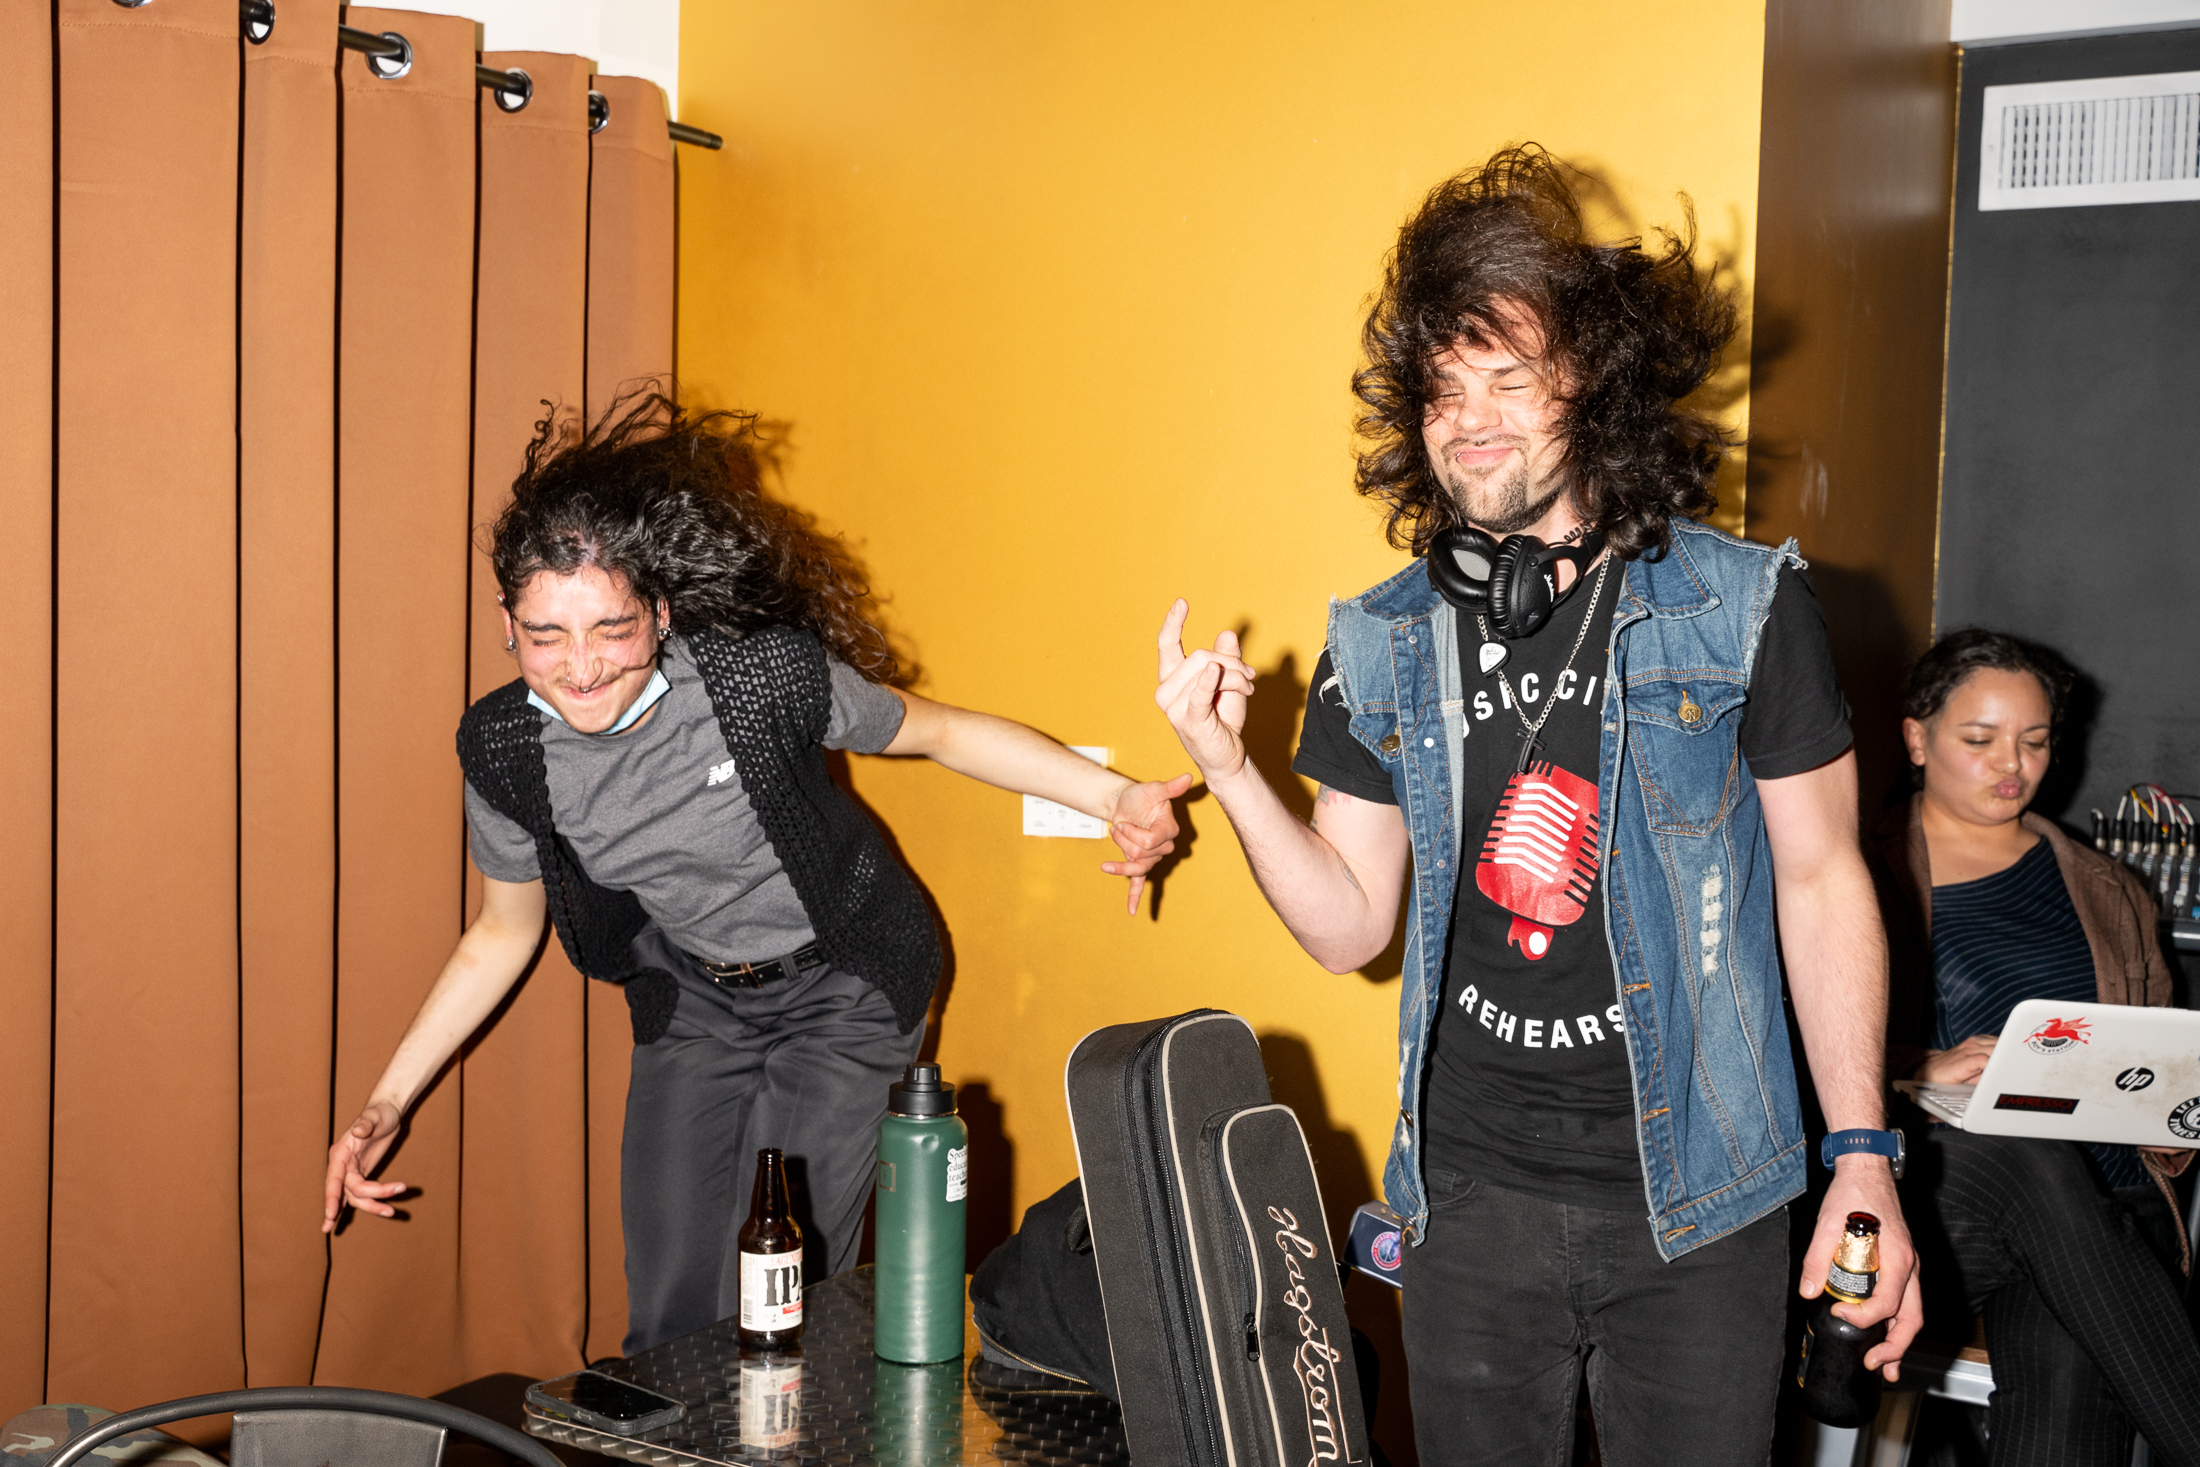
<point x="630" y="312"/>
<point x="526" y="1114"/>
<point x="144" y="1113"/>
<point x="630" y="256"/>
<point x="286" y="764"/>
<point x="403" y="455"/>
<point x="26" y="737"/>
<point x="280" y="329"/>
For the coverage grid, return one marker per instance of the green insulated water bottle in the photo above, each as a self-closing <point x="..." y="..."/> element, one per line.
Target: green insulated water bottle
<point x="923" y="1174"/>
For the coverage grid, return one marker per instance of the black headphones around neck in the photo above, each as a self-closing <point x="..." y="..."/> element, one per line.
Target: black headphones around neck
<point x="1511" y="584"/>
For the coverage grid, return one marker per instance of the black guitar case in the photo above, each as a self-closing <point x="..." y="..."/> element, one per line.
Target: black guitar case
<point x="1226" y="1319"/>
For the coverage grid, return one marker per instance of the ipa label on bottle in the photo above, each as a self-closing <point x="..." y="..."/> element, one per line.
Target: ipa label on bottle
<point x="770" y="1245"/>
<point x="771" y="1291"/>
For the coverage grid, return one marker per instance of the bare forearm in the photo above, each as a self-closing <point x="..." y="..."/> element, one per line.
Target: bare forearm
<point x="1342" y="917"/>
<point x="1836" y="955"/>
<point x="1006" y="754"/>
<point x="482" y="969"/>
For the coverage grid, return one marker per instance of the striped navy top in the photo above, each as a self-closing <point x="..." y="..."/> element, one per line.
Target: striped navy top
<point x="2005" y="938"/>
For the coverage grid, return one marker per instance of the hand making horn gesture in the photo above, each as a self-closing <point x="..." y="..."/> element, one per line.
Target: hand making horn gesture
<point x="1203" y="693"/>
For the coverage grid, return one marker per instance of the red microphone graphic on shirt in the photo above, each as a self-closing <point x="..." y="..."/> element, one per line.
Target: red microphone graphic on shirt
<point x="1540" y="858"/>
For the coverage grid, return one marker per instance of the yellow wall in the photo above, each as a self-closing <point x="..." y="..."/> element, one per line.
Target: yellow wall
<point x="1056" y="306"/>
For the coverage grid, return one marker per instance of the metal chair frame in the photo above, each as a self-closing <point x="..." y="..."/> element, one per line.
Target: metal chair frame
<point x="309" y="1398"/>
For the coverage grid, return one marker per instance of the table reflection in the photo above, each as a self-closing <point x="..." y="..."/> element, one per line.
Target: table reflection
<point x="835" y="1404"/>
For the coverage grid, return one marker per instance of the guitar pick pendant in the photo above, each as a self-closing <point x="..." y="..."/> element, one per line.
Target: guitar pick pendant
<point x="1493" y="656"/>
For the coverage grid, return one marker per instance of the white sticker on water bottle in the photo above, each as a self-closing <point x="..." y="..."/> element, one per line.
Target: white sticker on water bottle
<point x="958" y="1173"/>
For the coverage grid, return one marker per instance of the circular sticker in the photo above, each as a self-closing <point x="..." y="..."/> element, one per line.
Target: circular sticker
<point x="2185" y="1120"/>
<point x="2138" y="1077"/>
<point x="2057" y="1035"/>
<point x="1385" y="1249"/>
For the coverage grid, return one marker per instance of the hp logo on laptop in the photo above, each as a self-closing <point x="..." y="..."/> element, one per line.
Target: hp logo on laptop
<point x="2138" y="1077"/>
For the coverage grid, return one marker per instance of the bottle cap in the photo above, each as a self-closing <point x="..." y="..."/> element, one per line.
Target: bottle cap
<point x="919" y="1093"/>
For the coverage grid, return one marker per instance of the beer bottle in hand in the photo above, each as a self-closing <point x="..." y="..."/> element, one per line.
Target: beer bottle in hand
<point x="771" y="1262"/>
<point x="1837" y="1389"/>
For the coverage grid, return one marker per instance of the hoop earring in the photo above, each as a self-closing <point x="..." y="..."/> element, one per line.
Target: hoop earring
<point x="664" y="631"/>
<point x="511" y="644"/>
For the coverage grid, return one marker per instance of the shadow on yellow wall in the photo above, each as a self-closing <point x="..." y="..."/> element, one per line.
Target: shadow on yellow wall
<point x="1056" y="308"/>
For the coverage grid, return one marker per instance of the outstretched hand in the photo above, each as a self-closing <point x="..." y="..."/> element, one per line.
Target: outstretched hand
<point x="1143" y="823"/>
<point x="1204" y="695"/>
<point x="353" y="1159"/>
<point x="1866" y="1184"/>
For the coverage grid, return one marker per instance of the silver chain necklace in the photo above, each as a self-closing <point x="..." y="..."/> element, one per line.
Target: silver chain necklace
<point x="1534" y="734"/>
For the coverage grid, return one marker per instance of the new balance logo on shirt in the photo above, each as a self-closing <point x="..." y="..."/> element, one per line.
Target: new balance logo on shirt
<point x="719" y="774"/>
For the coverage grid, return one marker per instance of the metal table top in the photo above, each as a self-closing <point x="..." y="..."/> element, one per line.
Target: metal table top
<point x="838" y="1405"/>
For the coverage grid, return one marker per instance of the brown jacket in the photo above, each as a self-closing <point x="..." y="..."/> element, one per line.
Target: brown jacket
<point x="2113" y="906"/>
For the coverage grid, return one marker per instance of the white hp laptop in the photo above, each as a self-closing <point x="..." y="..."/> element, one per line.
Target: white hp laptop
<point x="2082" y="1072"/>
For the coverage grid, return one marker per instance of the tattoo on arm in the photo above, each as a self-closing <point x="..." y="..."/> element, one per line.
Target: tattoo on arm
<point x="1328" y="796"/>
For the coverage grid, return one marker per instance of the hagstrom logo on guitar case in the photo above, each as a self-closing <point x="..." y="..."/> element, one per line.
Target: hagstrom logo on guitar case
<point x="1316" y="1361"/>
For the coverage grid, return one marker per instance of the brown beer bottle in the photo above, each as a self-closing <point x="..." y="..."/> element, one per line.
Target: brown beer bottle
<point x="771" y="1262"/>
<point x="1836" y="1387"/>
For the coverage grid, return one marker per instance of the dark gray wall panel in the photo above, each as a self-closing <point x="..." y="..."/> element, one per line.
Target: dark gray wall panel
<point x="2068" y="508"/>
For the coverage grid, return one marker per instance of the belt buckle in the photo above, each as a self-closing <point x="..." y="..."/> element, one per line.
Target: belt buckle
<point x="733" y="975"/>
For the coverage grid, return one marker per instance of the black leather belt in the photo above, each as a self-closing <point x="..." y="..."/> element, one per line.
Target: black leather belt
<point x="756" y="975"/>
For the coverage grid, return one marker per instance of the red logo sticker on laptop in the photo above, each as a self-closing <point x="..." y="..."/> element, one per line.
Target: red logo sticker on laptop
<point x="2057" y="1035"/>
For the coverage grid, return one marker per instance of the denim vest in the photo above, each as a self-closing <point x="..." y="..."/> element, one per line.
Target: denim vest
<point x="1688" y="904"/>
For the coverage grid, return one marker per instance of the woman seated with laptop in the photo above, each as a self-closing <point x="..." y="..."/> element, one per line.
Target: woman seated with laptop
<point x="1986" y="906"/>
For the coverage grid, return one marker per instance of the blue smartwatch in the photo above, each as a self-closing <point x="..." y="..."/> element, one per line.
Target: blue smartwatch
<point x="1879" y="1143"/>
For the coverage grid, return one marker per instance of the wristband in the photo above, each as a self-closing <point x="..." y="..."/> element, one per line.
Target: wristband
<point x="1889" y="1144"/>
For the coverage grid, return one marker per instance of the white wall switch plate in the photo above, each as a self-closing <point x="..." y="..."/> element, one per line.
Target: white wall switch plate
<point x="1044" y="817"/>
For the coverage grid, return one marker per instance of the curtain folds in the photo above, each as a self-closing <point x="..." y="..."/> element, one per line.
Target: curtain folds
<point x="143" y="1213"/>
<point x="26" y="737"/>
<point x="526" y="1083"/>
<point x="286" y="758"/>
<point x="280" y="329"/>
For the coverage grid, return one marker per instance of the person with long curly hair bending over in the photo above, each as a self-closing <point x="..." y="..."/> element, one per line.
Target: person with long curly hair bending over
<point x="655" y="784"/>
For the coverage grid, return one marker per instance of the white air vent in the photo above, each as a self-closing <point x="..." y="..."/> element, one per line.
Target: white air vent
<point x="2102" y="140"/>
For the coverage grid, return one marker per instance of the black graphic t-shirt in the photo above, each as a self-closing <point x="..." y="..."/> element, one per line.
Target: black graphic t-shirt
<point x="1527" y="1079"/>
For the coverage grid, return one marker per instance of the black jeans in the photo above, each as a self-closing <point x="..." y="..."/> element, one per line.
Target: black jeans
<point x="802" y="1064"/>
<point x="2084" y="1327"/>
<point x="1509" y="1293"/>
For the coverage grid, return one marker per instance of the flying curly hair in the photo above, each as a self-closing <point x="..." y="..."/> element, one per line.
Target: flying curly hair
<point x="673" y="502"/>
<point x="1627" y="333"/>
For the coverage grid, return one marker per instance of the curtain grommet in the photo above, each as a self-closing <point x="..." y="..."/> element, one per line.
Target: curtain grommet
<point x="390" y="68"/>
<point x="599" y="112"/>
<point x="259" y="20"/>
<point x="133" y="4"/>
<point x="519" y="85"/>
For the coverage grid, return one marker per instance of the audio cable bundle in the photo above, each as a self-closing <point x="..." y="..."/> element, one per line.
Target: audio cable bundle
<point x="2152" y="833"/>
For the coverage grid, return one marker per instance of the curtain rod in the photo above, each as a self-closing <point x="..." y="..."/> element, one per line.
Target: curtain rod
<point x="389" y="56"/>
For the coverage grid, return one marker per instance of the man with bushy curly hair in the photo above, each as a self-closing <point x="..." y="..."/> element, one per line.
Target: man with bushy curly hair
<point x="1627" y="724"/>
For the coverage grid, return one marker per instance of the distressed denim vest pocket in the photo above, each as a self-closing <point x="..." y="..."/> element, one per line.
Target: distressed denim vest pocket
<point x="1679" y="728"/>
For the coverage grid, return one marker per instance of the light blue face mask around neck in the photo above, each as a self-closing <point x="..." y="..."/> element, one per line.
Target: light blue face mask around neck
<point x="658" y="687"/>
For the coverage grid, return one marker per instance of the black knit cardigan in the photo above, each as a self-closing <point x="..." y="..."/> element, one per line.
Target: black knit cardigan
<point x="773" y="696"/>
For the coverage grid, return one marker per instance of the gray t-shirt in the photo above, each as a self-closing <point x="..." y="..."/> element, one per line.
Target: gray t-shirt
<point x="659" y="812"/>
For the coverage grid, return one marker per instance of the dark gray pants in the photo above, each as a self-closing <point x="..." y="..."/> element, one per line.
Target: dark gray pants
<point x="1509" y="1293"/>
<point x="2084" y="1326"/>
<point x="802" y="1064"/>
